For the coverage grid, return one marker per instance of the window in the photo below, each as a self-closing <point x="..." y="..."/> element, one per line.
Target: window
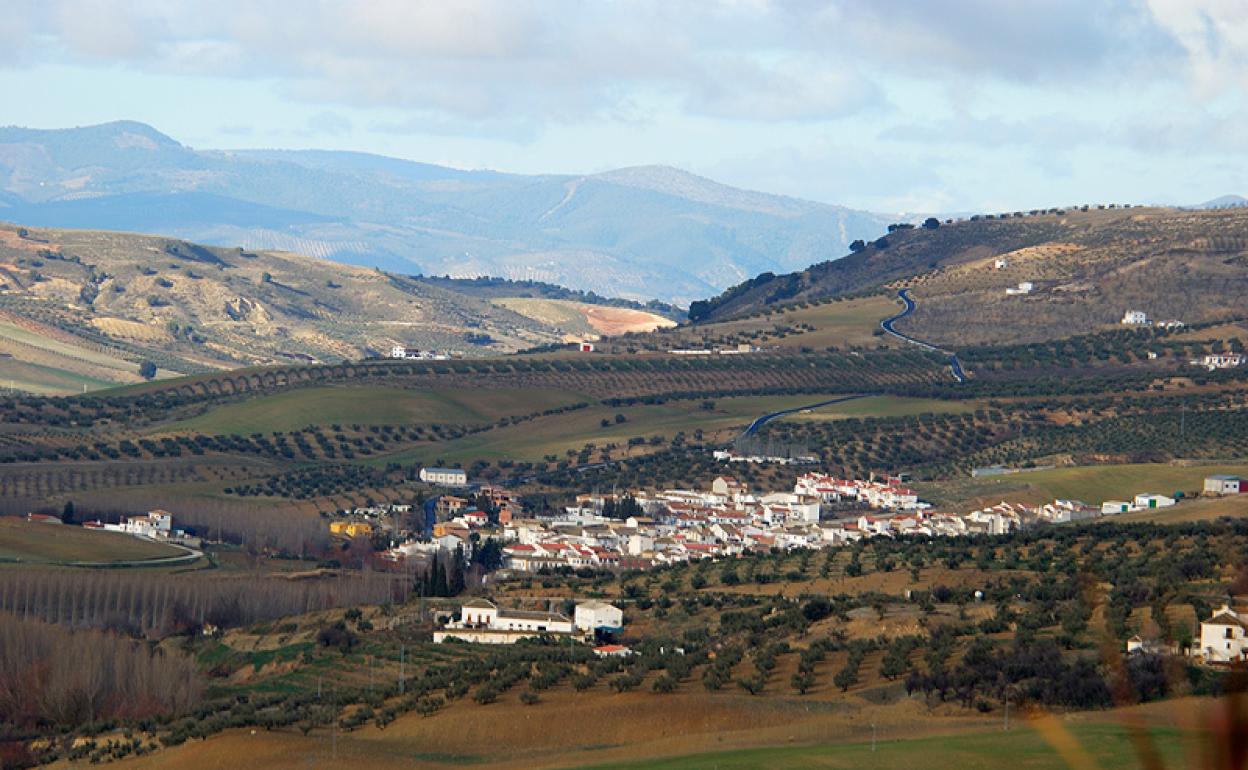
<point x="1229" y="633"/>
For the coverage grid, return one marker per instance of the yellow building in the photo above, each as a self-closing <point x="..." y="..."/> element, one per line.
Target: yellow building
<point x="351" y="529"/>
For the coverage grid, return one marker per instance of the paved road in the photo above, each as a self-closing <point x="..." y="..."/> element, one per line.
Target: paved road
<point x="761" y="421"/>
<point x="189" y="556"/>
<point x="887" y="325"/>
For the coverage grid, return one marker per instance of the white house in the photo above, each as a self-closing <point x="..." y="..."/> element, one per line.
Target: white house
<point x="1222" y="361"/>
<point x="1135" y="318"/>
<point x="156" y="525"/>
<point x="398" y="351"/>
<point x="1149" y="500"/>
<point x="1222" y="484"/>
<point x="1224" y="637"/>
<point x="1024" y="287"/>
<point x="447" y="477"/>
<point x="481" y="621"/>
<point x="593" y="615"/>
<point x="1115" y="506"/>
<point x="1000" y="263"/>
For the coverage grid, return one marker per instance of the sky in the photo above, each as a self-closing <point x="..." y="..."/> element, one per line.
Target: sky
<point x="885" y="105"/>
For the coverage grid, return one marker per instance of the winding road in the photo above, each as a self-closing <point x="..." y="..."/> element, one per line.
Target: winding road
<point x="761" y="421"/>
<point x="887" y="325"/>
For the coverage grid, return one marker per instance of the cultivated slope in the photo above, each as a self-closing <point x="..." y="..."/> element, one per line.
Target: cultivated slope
<point x="83" y="309"/>
<point x="1087" y="269"/>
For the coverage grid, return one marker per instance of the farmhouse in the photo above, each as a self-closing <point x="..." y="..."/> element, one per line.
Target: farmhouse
<point x="1149" y="500"/>
<point x="1000" y="263"/>
<point x="1224" y="637"/>
<point x="1024" y="287"/>
<point x="447" y="477"/>
<point x="594" y="616"/>
<point x="1222" y="361"/>
<point x="156" y="525"/>
<point x="483" y="622"/>
<point x="1222" y="484"/>
<point x="1135" y="318"/>
<point x="1115" y="506"/>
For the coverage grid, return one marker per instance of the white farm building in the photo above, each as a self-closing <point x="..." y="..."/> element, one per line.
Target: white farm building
<point x="1224" y="637"/>
<point x="447" y="477"/>
<point x="594" y="615"/>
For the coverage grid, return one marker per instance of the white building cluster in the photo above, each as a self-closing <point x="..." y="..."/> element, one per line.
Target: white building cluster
<point x="483" y="622"/>
<point x="155" y="525"/>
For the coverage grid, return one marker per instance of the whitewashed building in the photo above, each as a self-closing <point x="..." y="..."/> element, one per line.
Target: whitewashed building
<point x="1135" y="318"/>
<point x="1222" y="484"/>
<point x="1224" y="637"/>
<point x="1151" y="500"/>
<point x="447" y="477"/>
<point x="596" y="615"/>
<point x="481" y="621"/>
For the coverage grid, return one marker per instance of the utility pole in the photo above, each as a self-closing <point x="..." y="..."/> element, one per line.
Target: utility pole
<point x="402" y="662"/>
<point x="873" y="737"/>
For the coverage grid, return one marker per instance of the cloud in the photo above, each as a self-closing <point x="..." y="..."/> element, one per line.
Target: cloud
<point x="1214" y="36"/>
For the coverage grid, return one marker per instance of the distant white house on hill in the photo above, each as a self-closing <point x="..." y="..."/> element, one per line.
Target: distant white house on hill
<point x="1135" y="318"/>
<point x="446" y="477"/>
<point x="1024" y="287"/>
<point x="1221" y="361"/>
<point x="1000" y="263"/>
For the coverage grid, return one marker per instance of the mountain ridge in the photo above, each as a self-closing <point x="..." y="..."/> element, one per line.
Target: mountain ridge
<point x="643" y="232"/>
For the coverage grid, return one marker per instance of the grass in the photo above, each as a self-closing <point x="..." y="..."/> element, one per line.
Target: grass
<point x="46" y="380"/>
<point x="1108" y="745"/>
<point x="840" y="324"/>
<point x="40" y="543"/>
<point x="558" y="433"/>
<point x="1092" y="483"/>
<point x="364" y="405"/>
<point x="885" y="406"/>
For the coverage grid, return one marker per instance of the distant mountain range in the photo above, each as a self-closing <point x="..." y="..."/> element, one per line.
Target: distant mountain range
<point x="642" y="233"/>
<point x="1223" y="202"/>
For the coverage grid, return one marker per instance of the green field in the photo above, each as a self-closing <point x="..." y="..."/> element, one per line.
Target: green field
<point x="840" y="324"/>
<point x="1091" y="483"/>
<point x="45" y="380"/>
<point x="41" y="543"/>
<point x="885" y="406"/>
<point x="557" y="433"/>
<point x="1107" y="746"/>
<point x="363" y="405"/>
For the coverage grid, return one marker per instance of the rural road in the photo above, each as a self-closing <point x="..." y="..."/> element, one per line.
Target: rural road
<point x="188" y="557"/>
<point x="887" y="325"/>
<point x="761" y="421"/>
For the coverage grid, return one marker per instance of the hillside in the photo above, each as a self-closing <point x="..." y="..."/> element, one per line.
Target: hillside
<point x="630" y="232"/>
<point x="1087" y="269"/>
<point x="81" y="309"/>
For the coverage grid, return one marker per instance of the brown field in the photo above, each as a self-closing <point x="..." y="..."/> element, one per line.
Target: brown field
<point x="596" y="727"/>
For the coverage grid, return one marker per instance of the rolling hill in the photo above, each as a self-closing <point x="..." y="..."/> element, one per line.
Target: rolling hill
<point x="1086" y="267"/>
<point x="81" y="310"/>
<point x="636" y="232"/>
